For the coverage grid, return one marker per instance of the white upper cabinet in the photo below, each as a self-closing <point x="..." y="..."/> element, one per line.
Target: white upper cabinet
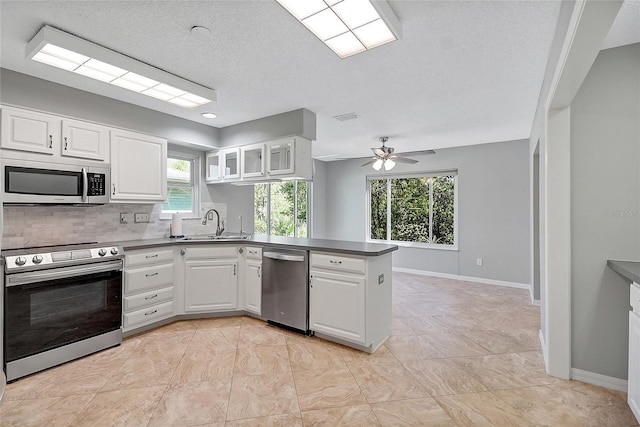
<point x="30" y="131"/>
<point x="252" y="161"/>
<point x="41" y="133"/>
<point x="138" y="167"/>
<point x="213" y="168"/>
<point x="230" y="158"/>
<point x="281" y="160"/>
<point x="85" y="140"/>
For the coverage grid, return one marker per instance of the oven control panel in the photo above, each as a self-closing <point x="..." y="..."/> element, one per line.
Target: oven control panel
<point x="37" y="261"/>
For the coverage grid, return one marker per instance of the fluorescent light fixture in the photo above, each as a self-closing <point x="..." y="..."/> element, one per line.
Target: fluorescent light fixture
<point x="62" y="50"/>
<point x="347" y="26"/>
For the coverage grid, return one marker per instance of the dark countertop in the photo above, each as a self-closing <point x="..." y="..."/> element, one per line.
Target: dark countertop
<point x="338" y="246"/>
<point x="628" y="269"/>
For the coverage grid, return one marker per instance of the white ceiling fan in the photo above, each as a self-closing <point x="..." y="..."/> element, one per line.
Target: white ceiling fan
<point x="385" y="156"/>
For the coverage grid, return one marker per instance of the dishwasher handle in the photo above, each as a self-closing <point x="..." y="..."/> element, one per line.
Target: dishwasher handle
<point x="283" y="256"/>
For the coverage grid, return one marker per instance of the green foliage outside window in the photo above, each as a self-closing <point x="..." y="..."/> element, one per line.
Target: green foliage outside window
<point x="421" y="209"/>
<point x="276" y="212"/>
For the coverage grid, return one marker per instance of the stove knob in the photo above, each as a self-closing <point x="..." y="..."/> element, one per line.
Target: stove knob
<point x="37" y="259"/>
<point x="102" y="252"/>
<point x="114" y="251"/>
<point x="21" y="260"/>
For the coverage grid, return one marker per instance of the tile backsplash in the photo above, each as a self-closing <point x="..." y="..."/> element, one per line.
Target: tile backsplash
<point x="26" y="226"/>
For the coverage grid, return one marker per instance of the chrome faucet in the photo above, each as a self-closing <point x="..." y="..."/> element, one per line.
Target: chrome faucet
<point x="219" y="229"/>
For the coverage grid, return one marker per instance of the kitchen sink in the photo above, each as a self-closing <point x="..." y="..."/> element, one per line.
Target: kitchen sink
<point x="207" y="237"/>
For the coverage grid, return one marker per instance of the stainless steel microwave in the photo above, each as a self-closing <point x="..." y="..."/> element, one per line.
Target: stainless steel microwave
<point x="27" y="181"/>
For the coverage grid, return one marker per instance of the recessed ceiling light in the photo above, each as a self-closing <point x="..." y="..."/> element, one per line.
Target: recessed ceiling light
<point x="209" y="115"/>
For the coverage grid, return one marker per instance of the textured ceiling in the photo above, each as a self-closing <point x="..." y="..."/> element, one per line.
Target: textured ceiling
<point x="464" y="72"/>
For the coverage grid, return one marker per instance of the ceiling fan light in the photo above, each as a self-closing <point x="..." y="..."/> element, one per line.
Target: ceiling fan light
<point x="377" y="164"/>
<point x="389" y="164"/>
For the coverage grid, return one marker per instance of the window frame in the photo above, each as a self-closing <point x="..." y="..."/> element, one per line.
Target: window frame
<point x="388" y="177"/>
<point x="295" y="208"/>
<point x="196" y="161"/>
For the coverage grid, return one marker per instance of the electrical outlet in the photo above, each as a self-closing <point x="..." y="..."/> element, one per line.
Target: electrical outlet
<point x="141" y="217"/>
<point x="124" y="218"/>
<point x="478" y="261"/>
<point x="380" y="279"/>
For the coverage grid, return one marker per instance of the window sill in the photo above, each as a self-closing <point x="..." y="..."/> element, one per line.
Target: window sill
<point x="417" y="245"/>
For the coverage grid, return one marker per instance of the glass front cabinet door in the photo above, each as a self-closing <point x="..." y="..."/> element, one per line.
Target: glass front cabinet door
<point x="213" y="167"/>
<point x="281" y="156"/>
<point x="231" y="162"/>
<point x="252" y="161"/>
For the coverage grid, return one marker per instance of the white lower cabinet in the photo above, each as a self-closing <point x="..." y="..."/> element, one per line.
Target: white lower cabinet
<point x="211" y="279"/>
<point x="350" y="298"/>
<point x="149" y="276"/>
<point x="253" y="280"/>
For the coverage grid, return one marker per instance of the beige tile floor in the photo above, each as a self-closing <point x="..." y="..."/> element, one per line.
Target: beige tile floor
<point x="460" y="354"/>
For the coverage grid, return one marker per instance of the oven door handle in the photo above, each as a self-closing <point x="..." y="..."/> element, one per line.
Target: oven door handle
<point x="60" y="273"/>
<point x="85" y="186"/>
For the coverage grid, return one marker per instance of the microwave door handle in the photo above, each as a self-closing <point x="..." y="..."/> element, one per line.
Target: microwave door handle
<point x="85" y="186"/>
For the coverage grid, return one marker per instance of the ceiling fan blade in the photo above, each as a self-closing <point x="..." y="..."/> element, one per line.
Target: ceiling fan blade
<point x="404" y="160"/>
<point x="370" y="162"/>
<point x="417" y="153"/>
<point x="378" y="151"/>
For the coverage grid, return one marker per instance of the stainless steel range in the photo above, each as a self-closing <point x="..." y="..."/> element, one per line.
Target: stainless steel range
<point x="61" y="303"/>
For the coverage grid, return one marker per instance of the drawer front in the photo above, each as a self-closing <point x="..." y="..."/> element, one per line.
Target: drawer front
<point x="254" y="252"/>
<point x="338" y="263"/>
<point x="141" y="279"/>
<point x="148" y="315"/>
<point x="635" y="297"/>
<point x="147" y="257"/>
<point x="211" y="252"/>
<point x="148" y="298"/>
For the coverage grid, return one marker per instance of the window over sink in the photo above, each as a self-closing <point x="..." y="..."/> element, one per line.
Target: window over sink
<point x="182" y="185"/>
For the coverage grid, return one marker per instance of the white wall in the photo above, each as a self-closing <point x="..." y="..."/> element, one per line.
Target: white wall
<point x="493" y="210"/>
<point x="605" y="208"/>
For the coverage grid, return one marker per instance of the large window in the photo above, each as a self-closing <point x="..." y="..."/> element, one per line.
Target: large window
<point x="182" y="188"/>
<point x="281" y="208"/>
<point x="416" y="208"/>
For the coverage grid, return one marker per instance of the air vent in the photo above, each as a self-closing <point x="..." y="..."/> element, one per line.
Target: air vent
<point x="345" y="117"/>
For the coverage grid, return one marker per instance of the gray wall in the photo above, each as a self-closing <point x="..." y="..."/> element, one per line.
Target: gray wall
<point x="605" y="208"/>
<point x="30" y="92"/>
<point x="493" y="210"/>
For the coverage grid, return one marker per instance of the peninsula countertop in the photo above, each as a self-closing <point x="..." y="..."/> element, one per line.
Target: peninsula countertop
<point x="628" y="269"/>
<point x="324" y="245"/>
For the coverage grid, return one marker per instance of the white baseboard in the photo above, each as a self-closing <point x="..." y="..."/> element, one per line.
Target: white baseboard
<point x="465" y="278"/>
<point x="543" y="344"/>
<point x="599" y="379"/>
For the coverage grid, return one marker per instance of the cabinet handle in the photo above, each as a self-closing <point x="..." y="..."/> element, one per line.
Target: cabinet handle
<point x="234" y="269"/>
<point x="151" y="256"/>
<point x="149" y="313"/>
<point x="65" y="143"/>
<point x="114" y="189"/>
<point x="253" y="252"/>
<point x="335" y="262"/>
<point x="151" y="275"/>
<point x="50" y="141"/>
<point x="182" y="252"/>
<point x="151" y="297"/>
<point x="259" y="270"/>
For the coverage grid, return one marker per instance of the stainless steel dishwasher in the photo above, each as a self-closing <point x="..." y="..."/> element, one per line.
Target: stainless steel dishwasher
<point x="285" y="288"/>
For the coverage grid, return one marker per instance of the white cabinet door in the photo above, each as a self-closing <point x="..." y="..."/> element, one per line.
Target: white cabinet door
<point x="210" y="285"/>
<point x="26" y="130"/>
<point x="337" y="305"/>
<point x="84" y="140"/>
<point x="633" y="396"/>
<point x="230" y="164"/>
<point x="253" y="286"/>
<point x="213" y="168"/>
<point x="280" y="157"/>
<point x="252" y="163"/>
<point x="138" y="167"/>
